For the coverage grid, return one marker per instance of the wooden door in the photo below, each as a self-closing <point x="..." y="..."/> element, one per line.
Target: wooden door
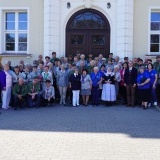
<point x="88" y="31"/>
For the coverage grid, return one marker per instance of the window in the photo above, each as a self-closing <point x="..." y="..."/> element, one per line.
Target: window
<point x="77" y="39"/>
<point x="155" y="32"/>
<point x="88" y="20"/>
<point x="16" y="27"/>
<point x="98" y="40"/>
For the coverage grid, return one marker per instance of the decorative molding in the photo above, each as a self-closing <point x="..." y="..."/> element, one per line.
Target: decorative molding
<point x="88" y="3"/>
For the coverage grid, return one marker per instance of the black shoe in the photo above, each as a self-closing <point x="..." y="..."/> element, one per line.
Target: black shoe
<point x="145" y="107"/>
<point x="15" y="108"/>
<point x="128" y="105"/>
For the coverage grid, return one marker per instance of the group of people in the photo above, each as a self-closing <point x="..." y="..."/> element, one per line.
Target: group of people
<point x="80" y="80"/>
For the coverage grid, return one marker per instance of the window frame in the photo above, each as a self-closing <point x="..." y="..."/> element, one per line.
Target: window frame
<point x="3" y="30"/>
<point x="152" y="32"/>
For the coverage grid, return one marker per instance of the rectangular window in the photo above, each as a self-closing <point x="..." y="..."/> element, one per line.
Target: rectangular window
<point x="16" y="28"/>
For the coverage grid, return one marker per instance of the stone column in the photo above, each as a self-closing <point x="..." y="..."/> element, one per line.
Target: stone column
<point x="51" y="26"/>
<point x="125" y="28"/>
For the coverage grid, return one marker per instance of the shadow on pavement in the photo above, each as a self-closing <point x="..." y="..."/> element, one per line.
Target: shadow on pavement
<point x="134" y="122"/>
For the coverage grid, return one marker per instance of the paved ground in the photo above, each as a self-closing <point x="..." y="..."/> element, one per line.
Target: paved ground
<point x="66" y="133"/>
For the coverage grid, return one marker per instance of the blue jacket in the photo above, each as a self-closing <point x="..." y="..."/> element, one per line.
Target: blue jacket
<point x="2" y="80"/>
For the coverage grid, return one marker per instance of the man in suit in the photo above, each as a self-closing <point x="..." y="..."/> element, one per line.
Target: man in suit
<point x="130" y="78"/>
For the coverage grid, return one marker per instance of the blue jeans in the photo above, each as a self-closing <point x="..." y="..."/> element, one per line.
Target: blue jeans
<point x="95" y="95"/>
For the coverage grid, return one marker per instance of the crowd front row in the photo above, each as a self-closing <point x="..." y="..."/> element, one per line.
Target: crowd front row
<point x="101" y="84"/>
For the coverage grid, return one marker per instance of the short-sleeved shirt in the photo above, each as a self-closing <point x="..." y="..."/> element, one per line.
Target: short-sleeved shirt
<point x="140" y="80"/>
<point x="95" y="79"/>
<point x="152" y="74"/>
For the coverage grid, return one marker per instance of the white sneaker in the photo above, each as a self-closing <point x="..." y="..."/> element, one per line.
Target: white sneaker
<point x="155" y="103"/>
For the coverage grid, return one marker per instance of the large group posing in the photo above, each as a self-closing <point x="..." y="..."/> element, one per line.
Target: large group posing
<point x="81" y="80"/>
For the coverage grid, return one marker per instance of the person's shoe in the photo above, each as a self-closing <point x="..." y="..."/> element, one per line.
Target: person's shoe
<point x="149" y="104"/>
<point x="4" y="108"/>
<point x="15" y="108"/>
<point x="145" y="107"/>
<point x="128" y="105"/>
<point x="8" y="107"/>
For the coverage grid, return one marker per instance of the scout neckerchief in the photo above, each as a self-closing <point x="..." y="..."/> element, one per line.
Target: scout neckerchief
<point x="45" y="75"/>
<point x="83" y="77"/>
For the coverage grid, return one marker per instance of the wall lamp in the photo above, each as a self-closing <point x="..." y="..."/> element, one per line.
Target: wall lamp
<point x="108" y="5"/>
<point x="68" y="5"/>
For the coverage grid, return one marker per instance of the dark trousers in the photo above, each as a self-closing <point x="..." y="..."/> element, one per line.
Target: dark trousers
<point x="158" y="92"/>
<point x="69" y="95"/>
<point x="35" y="101"/>
<point x="95" y="95"/>
<point x="153" y="97"/>
<point x="123" y="92"/>
<point x="130" y="94"/>
<point x="18" y="102"/>
<point x="46" y="102"/>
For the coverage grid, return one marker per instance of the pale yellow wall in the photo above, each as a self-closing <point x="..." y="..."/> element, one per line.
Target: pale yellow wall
<point x="141" y="25"/>
<point x="35" y="26"/>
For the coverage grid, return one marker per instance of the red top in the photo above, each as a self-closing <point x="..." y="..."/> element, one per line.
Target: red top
<point x="122" y="71"/>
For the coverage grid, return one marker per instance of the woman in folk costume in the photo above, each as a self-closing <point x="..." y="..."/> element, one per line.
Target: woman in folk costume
<point x="108" y="91"/>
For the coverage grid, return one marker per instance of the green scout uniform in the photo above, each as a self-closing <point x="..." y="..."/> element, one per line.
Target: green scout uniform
<point x="33" y="88"/>
<point x="19" y="90"/>
<point x="54" y="59"/>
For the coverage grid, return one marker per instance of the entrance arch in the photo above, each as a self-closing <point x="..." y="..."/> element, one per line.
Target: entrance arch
<point x="88" y="31"/>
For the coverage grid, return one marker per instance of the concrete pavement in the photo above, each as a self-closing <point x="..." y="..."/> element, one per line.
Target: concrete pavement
<point x="80" y="133"/>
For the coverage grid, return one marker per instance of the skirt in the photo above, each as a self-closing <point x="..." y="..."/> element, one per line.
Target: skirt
<point x="85" y="92"/>
<point x="108" y="92"/>
<point x="144" y="95"/>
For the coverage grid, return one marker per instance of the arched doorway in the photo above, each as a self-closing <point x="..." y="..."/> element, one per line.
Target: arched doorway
<point x="88" y="31"/>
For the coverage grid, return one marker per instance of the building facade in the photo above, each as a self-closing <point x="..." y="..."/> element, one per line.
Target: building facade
<point x="123" y="27"/>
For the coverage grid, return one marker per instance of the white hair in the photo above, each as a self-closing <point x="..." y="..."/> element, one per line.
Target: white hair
<point x="96" y="68"/>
